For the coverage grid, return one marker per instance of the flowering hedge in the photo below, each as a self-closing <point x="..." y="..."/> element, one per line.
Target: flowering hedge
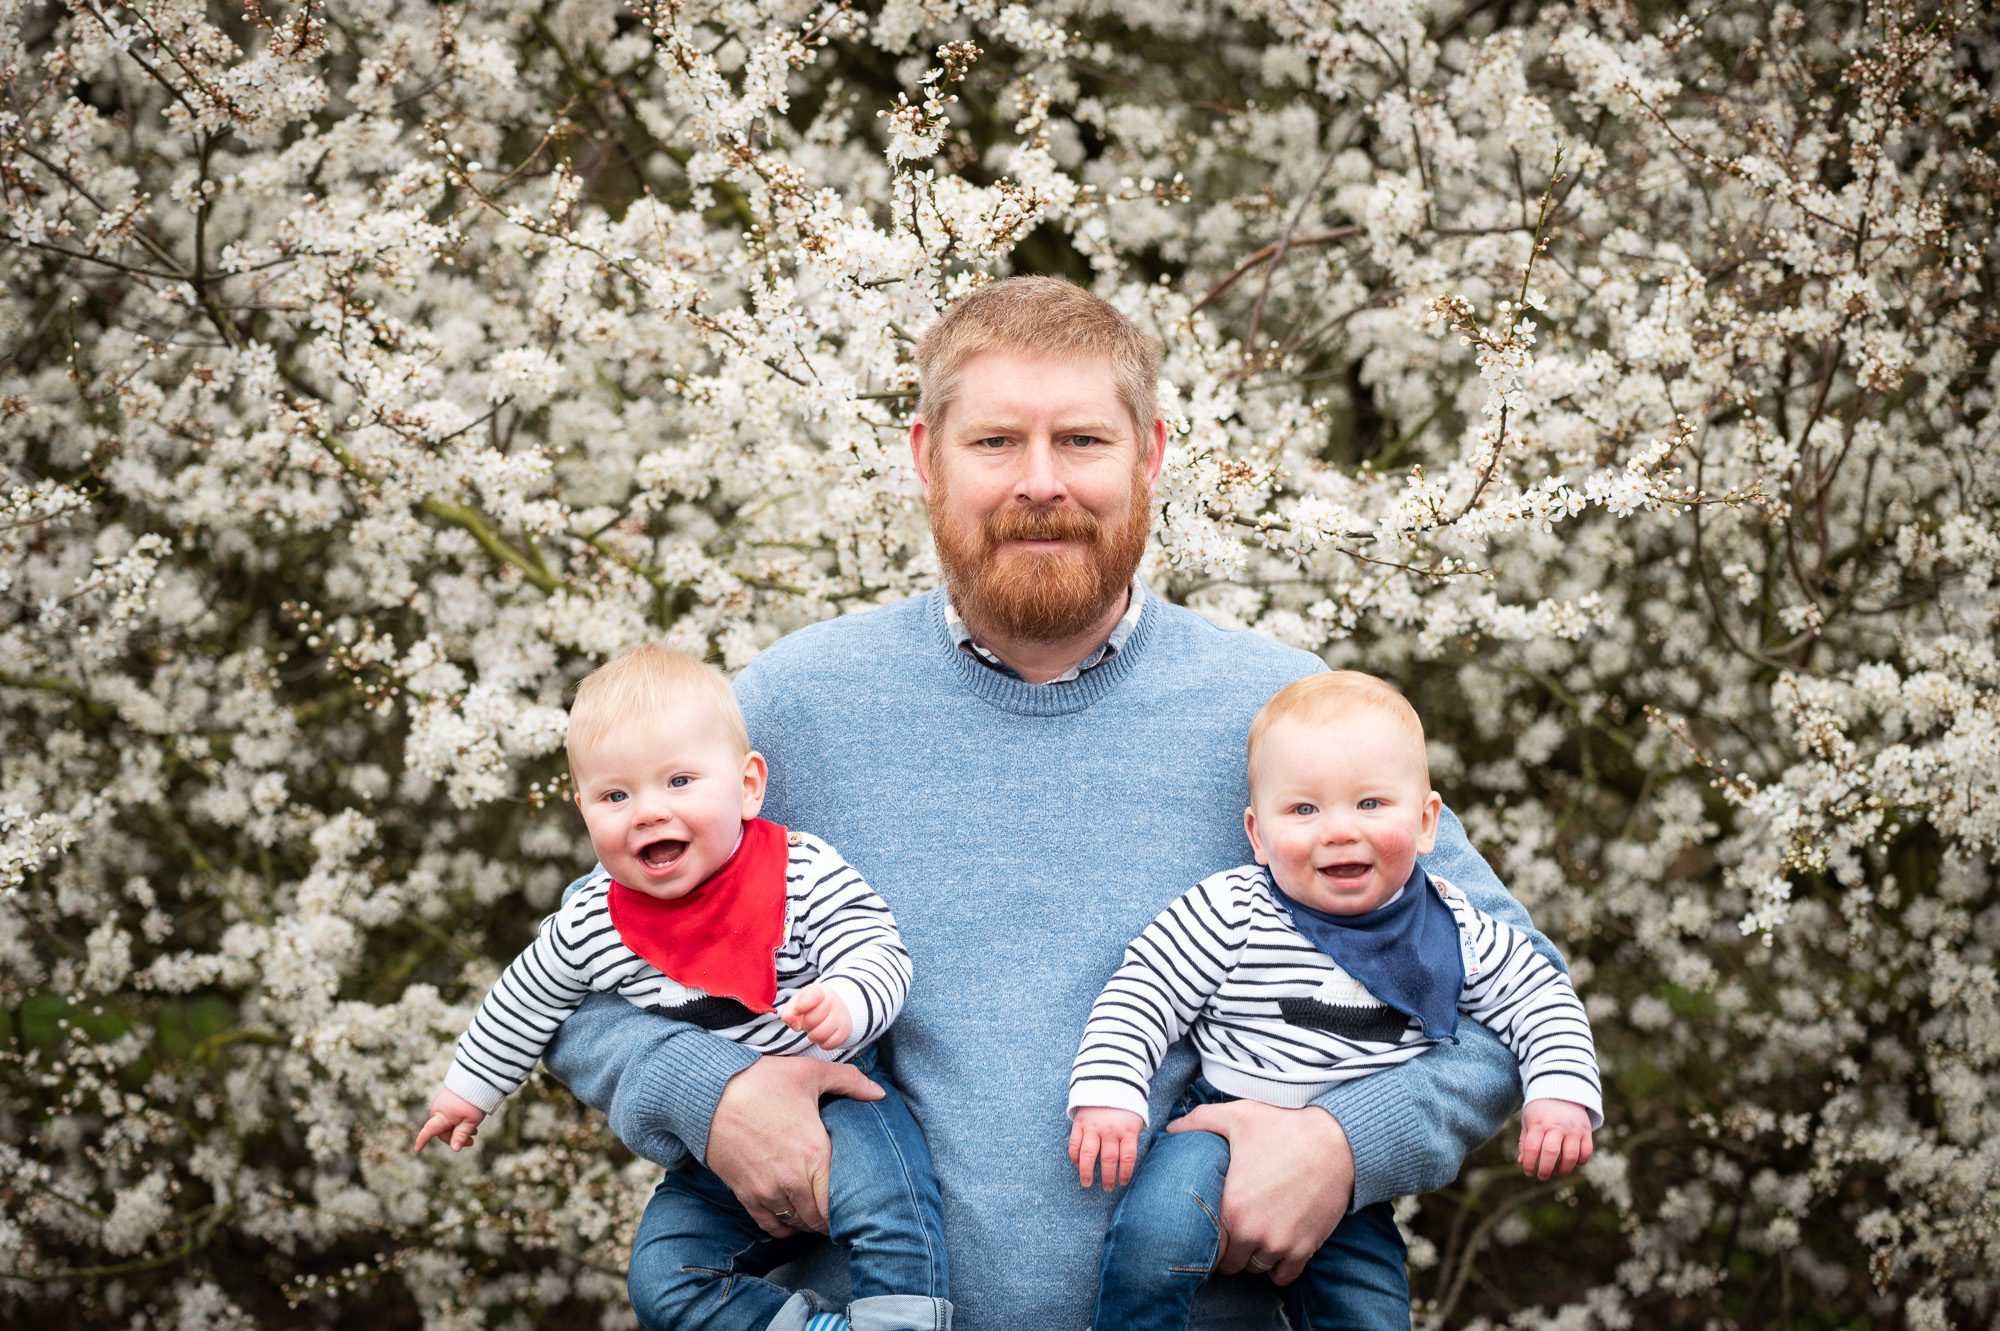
<point x="1620" y="381"/>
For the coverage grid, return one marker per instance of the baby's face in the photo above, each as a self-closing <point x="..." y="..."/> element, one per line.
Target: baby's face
<point x="665" y="794"/>
<point x="1340" y="810"/>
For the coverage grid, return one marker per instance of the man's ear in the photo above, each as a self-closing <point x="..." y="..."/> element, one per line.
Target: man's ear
<point x="1156" y="453"/>
<point x="920" y="441"/>
<point x="1250" y="830"/>
<point x="755" y="775"/>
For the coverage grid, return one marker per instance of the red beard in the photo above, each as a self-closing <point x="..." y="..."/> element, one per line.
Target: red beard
<point x="1040" y="596"/>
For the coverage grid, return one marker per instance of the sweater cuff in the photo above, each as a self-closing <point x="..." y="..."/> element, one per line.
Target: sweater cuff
<point x="1577" y="1090"/>
<point x="1387" y="1141"/>
<point x="1108" y="1095"/>
<point x="473" y="1090"/>
<point x="672" y="1107"/>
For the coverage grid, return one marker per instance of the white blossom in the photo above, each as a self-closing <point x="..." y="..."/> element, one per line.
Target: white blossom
<point x="1619" y="381"/>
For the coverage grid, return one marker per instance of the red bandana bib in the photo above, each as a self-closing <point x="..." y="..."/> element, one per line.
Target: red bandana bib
<point x="723" y="936"/>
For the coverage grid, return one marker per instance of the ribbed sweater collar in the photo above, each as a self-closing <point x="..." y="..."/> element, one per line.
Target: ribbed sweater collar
<point x="1025" y="699"/>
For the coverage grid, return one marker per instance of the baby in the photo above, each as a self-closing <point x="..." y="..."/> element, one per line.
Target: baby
<point x="1332" y="957"/>
<point x="708" y="914"/>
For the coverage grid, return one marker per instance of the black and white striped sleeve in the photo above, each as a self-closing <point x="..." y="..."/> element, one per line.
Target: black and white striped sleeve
<point x="539" y="988"/>
<point x="850" y="938"/>
<point x="1170" y="971"/>
<point x="1533" y="1008"/>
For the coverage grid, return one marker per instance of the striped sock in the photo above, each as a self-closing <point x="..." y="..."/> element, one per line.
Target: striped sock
<point x="829" y="1322"/>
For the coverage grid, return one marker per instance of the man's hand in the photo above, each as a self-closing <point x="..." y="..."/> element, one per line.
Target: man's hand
<point x="767" y="1144"/>
<point x="1555" y="1138"/>
<point x="1113" y="1135"/>
<point x="1290" y="1180"/>
<point x="818" y="1013"/>
<point x="454" y="1118"/>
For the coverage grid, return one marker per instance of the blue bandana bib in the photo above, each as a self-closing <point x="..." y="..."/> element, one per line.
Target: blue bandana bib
<point x="1405" y="953"/>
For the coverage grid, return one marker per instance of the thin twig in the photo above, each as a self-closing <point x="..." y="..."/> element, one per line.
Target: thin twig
<point x="1269" y="251"/>
<point x="1337" y="144"/>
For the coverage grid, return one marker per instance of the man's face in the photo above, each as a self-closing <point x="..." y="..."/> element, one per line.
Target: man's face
<point x="1040" y="493"/>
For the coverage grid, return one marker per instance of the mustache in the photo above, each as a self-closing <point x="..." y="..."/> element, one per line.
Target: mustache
<point x="1043" y="524"/>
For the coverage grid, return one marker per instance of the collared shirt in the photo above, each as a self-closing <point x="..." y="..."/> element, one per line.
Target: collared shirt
<point x="1120" y="632"/>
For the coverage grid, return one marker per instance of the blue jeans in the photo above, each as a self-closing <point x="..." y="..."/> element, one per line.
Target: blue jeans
<point x="1166" y="1235"/>
<point x="699" y="1259"/>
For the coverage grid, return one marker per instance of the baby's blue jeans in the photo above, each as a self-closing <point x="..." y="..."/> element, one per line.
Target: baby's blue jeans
<point x="1166" y="1235"/>
<point x="699" y="1259"/>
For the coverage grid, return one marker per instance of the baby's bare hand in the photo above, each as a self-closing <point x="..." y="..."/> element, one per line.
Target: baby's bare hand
<point x="453" y="1118"/>
<point x="817" y="1013"/>
<point x="1110" y="1135"/>
<point x="1555" y="1138"/>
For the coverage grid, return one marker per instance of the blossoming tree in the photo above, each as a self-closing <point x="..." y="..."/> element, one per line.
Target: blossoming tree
<point x="1620" y="380"/>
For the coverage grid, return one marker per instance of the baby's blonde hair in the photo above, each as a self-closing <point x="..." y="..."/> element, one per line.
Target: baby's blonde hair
<point x="649" y="678"/>
<point x="1330" y="696"/>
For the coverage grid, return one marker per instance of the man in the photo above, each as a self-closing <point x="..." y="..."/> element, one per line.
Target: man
<point x="1028" y="764"/>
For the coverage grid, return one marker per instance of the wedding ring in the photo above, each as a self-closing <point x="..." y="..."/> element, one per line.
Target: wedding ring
<point x="786" y="1217"/>
<point x="1259" y="1265"/>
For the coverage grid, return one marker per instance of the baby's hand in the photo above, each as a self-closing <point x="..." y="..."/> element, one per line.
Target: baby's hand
<point x="1109" y="1134"/>
<point x="818" y="1012"/>
<point x="1555" y="1138"/>
<point x="452" y="1114"/>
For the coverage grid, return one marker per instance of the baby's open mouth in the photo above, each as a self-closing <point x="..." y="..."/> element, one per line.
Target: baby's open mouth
<point x="1344" y="872"/>
<point x="660" y="854"/>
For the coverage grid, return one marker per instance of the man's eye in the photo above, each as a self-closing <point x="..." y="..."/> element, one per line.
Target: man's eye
<point x="991" y="441"/>
<point x="1084" y="440"/>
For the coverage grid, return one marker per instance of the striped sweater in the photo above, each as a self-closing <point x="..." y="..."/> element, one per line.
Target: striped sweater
<point x="837" y="932"/>
<point x="1274" y="1019"/>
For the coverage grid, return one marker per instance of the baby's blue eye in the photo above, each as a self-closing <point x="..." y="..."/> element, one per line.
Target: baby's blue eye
<point x="680" y="781"/>
<point x="1305" y="810"/>
<point x="614" y="797"/>
<point x="1371" y="803"/>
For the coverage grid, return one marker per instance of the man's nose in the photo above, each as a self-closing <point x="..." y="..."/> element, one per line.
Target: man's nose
<point x="1040" y="480"/>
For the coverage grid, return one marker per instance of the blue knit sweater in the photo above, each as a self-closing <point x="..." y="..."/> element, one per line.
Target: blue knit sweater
<point x="1023" y="834"/>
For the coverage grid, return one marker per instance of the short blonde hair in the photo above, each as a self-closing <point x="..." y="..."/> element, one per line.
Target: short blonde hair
<point x="1333" y="694"/>
<point x="649" y="678"/>
<point x="1041" y="316"/>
